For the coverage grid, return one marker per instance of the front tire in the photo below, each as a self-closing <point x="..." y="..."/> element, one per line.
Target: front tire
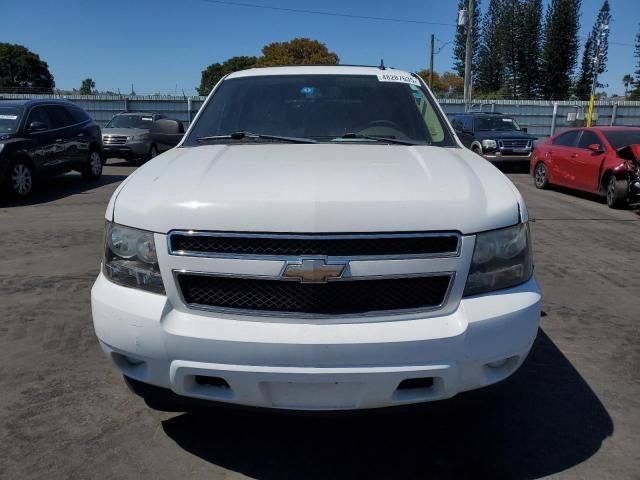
<point x="21" y="179"/>
<point x="153" y="152"/>
<point x="93" y="168"/>
<point x="541" y="176"/>
<point x="617" y="192"/>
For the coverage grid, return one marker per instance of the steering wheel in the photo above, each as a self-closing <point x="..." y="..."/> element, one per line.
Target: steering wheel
<point x="383" y="123"/>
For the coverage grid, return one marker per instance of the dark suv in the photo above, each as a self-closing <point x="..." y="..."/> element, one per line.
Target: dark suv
<point x="40" y="138"/>
<point x="495" y="136"/>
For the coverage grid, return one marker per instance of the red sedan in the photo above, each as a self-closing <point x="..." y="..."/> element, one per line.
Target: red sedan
<point x="590" y="159"/>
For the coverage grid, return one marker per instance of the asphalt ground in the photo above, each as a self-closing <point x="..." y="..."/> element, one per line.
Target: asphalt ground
<point x="571" y="411"/>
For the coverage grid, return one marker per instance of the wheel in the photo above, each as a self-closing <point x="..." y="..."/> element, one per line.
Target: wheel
<point x="617" y="192"/>
<point x="93" y="169"/>
<point x="21" y="178"/>
<point x="153" y="152"/>
<point x="476" y="150"/>
<point x="541" y="176"/>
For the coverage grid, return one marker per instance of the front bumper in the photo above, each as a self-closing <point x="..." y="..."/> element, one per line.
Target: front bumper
<point x="127" y="150"/>
<point x="497" y="157"/>
<point x="311" y="366"/>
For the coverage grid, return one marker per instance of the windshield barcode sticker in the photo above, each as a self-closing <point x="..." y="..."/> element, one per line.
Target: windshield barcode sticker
<point x="397" y="77"/>
<point x="8" y="117"/>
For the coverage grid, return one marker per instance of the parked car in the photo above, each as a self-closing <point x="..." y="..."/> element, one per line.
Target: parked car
<point x="126" y="136"/>
<point x="587" y="159"/>
<point x="40" y="138"/>
<point x="494" y="136"/>
<point x="318" y="240"/>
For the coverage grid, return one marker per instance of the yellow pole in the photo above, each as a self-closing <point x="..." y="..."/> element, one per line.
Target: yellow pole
<point x="590" y="114"/>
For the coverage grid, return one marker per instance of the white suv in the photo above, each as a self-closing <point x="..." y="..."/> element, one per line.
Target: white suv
<point x="318" y="240"/>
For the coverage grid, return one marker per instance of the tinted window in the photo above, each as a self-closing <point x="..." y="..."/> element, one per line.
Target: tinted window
<point x="40" y="114"/>
<point x="622" y="138"/>
<point x="131" y="121"/>
<point x="567" y="139"/>
<point x="79" y="115"/>
<point x="323" y="108"/>
<point x="467" y="123"/>
<point x="59" y="116"/>
<point x="588" y="138"/>
<point x="456" y="123"/>
<point x="9" y="119"/>
<point x="496" y="123"/>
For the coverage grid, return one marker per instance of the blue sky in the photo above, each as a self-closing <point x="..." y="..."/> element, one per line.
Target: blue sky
<point x="162" y="46"/>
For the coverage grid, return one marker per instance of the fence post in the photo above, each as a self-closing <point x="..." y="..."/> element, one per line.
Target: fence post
<point x="126" y="104"/>
<point x="614" y="114"/>
<point x="493" y="107"/>
<point x="553" y="118"/>
<point x="189" y="106"/>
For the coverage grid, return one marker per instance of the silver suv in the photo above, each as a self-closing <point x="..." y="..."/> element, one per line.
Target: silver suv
<point x="127" y="136"/>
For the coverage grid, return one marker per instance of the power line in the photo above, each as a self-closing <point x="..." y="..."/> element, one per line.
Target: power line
<point x="327" y="14"/>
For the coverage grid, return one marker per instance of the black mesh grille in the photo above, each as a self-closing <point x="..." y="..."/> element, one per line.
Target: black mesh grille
<point x="341" y="297"/>
<point x="340" y="246"/>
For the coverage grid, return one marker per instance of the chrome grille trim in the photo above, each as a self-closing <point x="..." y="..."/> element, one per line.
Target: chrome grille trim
<point x="114" y="139"/>
<point x="315" y="236"/>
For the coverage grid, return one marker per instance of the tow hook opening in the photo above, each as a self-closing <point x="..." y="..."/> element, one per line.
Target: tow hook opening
<point x="416" y="383"/>
<point x="212" y="381"/>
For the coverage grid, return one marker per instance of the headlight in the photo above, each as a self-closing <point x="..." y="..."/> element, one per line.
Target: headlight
<point x="489" y="144"/>
<point x="130" y="258"/>
<point x="1" y="146"/>
<point x="501" y="259"/>
<point x="137" y="138"/>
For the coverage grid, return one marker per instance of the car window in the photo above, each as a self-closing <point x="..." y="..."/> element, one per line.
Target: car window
<point x="9" y="119"/>
<point x="497" y="123"/>
<point x="588" y="138"/>
<point x="79" y="115"/>
<point x="325" y="108"/>
<point x="40" y="114"/>
<point x="567" y="139"/>
<point x="622" y="138"/>
<point x="467" y="123"/>
<point x="59" y="116"/>
<point x="456" y="123"/>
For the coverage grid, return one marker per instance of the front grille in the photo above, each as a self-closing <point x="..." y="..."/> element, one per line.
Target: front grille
<point x="333" y="298"/>
<point x="282" y="245"/>
<point x="511" y="144"/>
<point x="114" y="139"/>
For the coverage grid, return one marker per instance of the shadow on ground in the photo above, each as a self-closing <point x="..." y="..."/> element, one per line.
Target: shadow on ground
<point x="544" y="420"/>
<point x="55" y="188"/>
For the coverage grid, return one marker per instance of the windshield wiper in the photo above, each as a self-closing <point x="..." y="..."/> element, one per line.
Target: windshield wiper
<point x="249" y="135"/>
<point x="380" y="139"/>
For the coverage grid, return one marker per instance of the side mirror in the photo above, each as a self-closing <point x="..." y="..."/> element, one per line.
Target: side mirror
<point x="167" y="132"/>
<point x="37" y="127"/>
<point x="595" y="148"/>
<point x="524" y="129"/>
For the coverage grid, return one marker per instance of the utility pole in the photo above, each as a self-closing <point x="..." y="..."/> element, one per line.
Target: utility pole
<point x="433" y="40"/>
<point x="603" y="31"/>
<point x="467" y="58"/>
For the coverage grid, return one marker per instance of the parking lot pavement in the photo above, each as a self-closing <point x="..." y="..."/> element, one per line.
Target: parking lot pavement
<point x="572" y="411"/>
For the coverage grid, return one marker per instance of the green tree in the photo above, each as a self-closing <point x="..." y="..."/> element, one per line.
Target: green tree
<point x="587" y="67"/>
<point x="560" y="48"/>
<point x="528" y="52"/>
<point x="635" y="93"/>
<point x="490" y="64"/>
<point x="214" y="72"/>
<point x="627" y="80"/>
<point x="87" y="87"/>
<point x="299" y="51"/>
<point x="23" y="71"/>
<point x="446" y="85"/>
<point x="460" y="42"/>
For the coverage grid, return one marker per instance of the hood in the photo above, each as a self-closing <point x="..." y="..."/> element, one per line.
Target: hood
<point x="498" y="134"/>
<point x="316" y="188"/>
<point x="124" y="131"/>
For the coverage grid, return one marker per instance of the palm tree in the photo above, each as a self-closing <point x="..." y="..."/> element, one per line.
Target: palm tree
<point x="627" y="80"/>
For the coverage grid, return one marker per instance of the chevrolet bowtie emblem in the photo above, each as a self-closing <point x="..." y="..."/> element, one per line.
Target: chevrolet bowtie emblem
<point x="313" y="271"/>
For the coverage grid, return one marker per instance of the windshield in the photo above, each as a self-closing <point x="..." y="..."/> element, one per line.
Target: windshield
<point x="324" y="108"/>
<point x="9" y="119"/>
<point x="621" y="138"/>
<point x="130" y="121"/>
<point x="497" y="123"/>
